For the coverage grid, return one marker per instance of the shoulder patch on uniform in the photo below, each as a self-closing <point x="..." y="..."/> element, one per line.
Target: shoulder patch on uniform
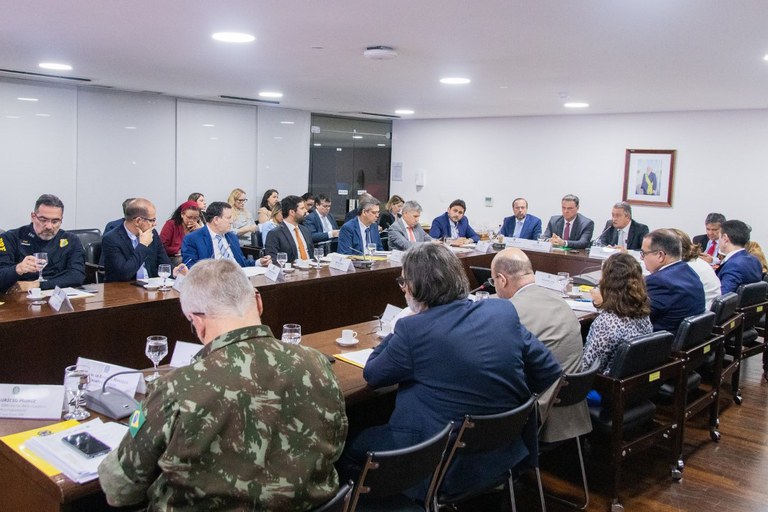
<point x="63" y="242"/>
<point x="137" y="420"/>
<point x="2" y="245"/>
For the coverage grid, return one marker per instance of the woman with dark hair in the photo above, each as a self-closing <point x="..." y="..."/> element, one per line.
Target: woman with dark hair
<point x="690" y="253"/>
<point x="624" y="309"/>
<point x="275" y="219"/>
<point x="199" y="198"/>
<point x="268" y="201"/>
<point x="184" y="220"/>
<point x="391" y="211"/>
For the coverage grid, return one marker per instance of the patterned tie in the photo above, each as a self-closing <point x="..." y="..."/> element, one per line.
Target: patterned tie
<point x="567" y="232"/>
<point x="223" y="250"/>
<point x="411" y="237"/>
<point x="300" y="244"/>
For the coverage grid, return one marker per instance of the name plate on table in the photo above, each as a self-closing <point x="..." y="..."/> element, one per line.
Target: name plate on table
<point x="551" y="281"/>
<point x="483" y="246"/>
<point x="99" y="372"/>
<point x="183" y="353"/>
<point x="274" y="273"/>
<point x="59" y="300"/>
<point x="30" y="401"/>
<point x="341" y="262"/>
<point x="528" y="245"/>
<point x="601" y="252"/>
<point x="396" y="256"/>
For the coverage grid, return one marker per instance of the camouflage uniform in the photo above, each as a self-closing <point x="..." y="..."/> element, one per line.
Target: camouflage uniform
<point x="252" y="424"/>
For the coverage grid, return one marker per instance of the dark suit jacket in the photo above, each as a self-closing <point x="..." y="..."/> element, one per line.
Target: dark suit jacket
<point x="531" y="227"/>
<point x="741" y="268"/>
<point x="315" y="225"/>
<point x="122" y="261"/>
<point x="198" y="245"/>
<point x="635" y="235"/>
<point x="441" y="228"/>
<point x="441" y="378"/>
<point x="350" y="241"/>
<point x="280" y="239"/>
<point x="676" y="292"/>
<point x="581" y="230"/>
<point x="112" y="225"/>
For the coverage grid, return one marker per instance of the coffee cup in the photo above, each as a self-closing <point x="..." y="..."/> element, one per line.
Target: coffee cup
<point x="35" y="293"/>
<point x="287" y="266"/>
<point x="348" y="335"/>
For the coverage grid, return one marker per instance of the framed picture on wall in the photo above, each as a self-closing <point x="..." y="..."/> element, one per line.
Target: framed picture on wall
<point x="648" y="176"/>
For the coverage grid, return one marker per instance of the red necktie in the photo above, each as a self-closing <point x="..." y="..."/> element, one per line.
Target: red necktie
<point x="410" y="234"/>
<point x="567" y="232"/>
<point x="711" y="250"/>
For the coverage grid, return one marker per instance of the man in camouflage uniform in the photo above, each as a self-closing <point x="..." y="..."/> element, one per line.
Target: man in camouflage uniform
<point x="66" y="258"/>
<point x="252" y="424"/>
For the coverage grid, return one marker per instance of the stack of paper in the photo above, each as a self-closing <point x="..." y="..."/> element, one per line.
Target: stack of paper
<point x="69" y="461"/>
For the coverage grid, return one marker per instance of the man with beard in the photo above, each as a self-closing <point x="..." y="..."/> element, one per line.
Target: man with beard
<point x="19" y="268"/>
<point x="291" y="236"/>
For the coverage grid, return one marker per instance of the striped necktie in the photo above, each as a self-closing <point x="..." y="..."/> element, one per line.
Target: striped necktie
<point x="223" y="249"/>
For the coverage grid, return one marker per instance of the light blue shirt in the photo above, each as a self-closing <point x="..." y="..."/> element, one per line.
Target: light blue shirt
<point x="142" y="272"/>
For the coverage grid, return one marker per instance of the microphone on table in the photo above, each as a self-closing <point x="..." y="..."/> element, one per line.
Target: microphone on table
<point x="610" y="225"/>
<point x="113" y="403"/>
<point x="485" y="286"/>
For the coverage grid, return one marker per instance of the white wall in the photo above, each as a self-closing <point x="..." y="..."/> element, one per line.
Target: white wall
<point x="93" y="148"/>
<point x="720" y="164"/>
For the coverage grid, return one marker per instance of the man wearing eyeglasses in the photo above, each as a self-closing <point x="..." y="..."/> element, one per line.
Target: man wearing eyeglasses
<point x="674" y="289"/>
<point x="135" y="250"/>
<point x="19" y="268"/>
<point x="356" y="234"/>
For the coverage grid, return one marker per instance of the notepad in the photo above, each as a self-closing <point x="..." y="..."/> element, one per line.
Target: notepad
<point x="357" y="358"/>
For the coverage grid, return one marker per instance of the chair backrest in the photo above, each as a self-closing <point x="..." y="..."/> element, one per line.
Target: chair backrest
<point x="93" y="252"/>
<point x="750" y="295"/>
<point x="87" y="236"/>
<point x="392" y="472"/>
<point x="724" y="307"/>
<point x="574" y="387"/>
<point x="339" y="502"/>
<point x="693" y="331"/>
<point x="641" y="354"/>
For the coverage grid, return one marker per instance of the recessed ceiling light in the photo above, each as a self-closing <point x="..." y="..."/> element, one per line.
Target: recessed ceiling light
<point x="575" y="104"/>
<point x="27" y="99"/>
<point x="455" y="81"/>
<point x="404" y="111"/>
<point x="278" y="138"/>
<point x="338" y="149"/>
<point x="55" y="66"/>
<point x="209" y="125"/>
<point x="382" y="145"/>
<point x="233" y="37"/>
<point x="317" y="145"/>
<point x="357" y="136"/>
<point x="43" y="115"/>
<point x="503" y="87"/>
<point x="12" y="117"/>
<point x="213" y="138"/>
<point x="287" y="122"/>
<point x="270" y="94"/>
<point x="130" y="127"/>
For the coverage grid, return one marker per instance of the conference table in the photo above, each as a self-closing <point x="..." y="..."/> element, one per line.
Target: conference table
<point x="112" y="326"/>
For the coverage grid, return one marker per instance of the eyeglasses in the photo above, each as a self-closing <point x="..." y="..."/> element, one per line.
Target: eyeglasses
<point x="151" y="221"/>
<point x="241" y="200"/>
<point x="644" y="253"/>
<point x="400" y="280"/>
<point x="492" y="281"/>
<point x="46" y="220"/>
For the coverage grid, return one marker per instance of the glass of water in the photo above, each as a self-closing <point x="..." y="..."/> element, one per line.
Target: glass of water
<point x="291" y="334"/>
<point x="282" y="259"/>
<point x="164" y="271"/>
<point x="76" y="379"/>
<point x="319" y="253"/>
<point x="371" y="246"/>
<point x="156" y="350"/>
<point x="42" y="261"/>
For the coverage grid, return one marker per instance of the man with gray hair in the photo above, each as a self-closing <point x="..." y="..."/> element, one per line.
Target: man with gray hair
<point x="622" y="231"/>
<point x="21" y="270"/>
<point x="550" y="319"/>
<point x="406" y="231"/>
<point x="570" y="230"/>
<point x="251" y="424"/>
<point x="710" y="241"/>
<point x="356" y="234"/>
<point x="674" y="289"/>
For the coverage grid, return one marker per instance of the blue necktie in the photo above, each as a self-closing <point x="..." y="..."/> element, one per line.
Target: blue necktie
<point x="142" y="272"/>
<point x="518" y="229"/>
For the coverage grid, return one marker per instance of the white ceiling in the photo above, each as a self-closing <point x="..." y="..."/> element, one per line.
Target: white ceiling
<point x="522" y="56"/>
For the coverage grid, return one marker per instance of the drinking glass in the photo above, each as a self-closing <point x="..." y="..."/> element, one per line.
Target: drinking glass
<point x="282" y="259"/>
<point x="319" y="253"/>
<point x="291" y="334"/>
<point x="565" y="278"/>
<point x="42" y="261"/>
<point x="371" y="246"/>
<point x="164" y="271"/>
<point x="482" y="295"/>
<point x="76" y="379"/>
<point x="156" y="350"/>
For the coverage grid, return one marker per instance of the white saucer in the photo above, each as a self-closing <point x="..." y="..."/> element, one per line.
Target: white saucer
<point x="382" y="334"/>
<point x="41" y="297"/>
<point x="288" y="270"/>
<point x="343" y="343"/>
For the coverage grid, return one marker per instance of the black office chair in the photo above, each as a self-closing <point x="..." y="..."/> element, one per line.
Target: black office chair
<point x="729" y="325"/>
<point x="752" y="306"/>
<point x="90" y="239"/>
<point x="490" y="433"/>
<point x="573" y="390"/>
<point x="693" y="344"/>
<point x="338" y="503"/>
<point x="626" y="419"/>
<point x="386" y="475"/>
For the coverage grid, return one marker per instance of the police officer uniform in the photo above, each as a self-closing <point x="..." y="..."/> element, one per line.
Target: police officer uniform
<point x="66" y="258"/>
